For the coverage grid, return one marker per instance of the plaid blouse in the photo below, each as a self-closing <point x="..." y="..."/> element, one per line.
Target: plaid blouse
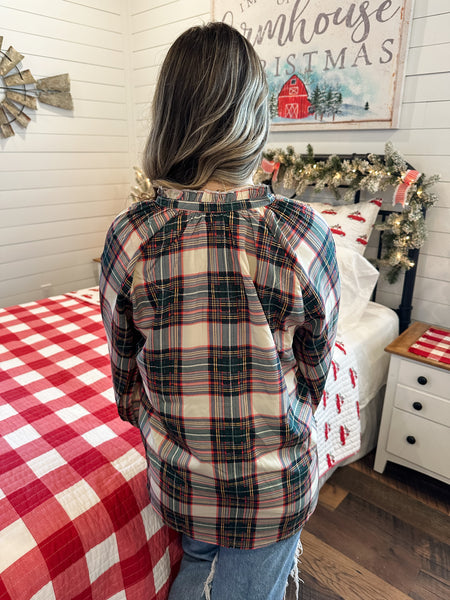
<point x="220" y="311"/>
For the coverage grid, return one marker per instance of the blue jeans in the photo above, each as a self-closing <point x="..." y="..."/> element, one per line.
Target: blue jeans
<point x="215" y="573"/>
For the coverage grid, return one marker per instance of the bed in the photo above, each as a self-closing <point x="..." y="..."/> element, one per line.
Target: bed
<point x="348" y="416"/>
<point x="75" y="518"/>
<point x="355" y="436"/>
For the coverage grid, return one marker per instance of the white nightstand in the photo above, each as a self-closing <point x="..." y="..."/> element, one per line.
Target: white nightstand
<point x="415" y="424"/>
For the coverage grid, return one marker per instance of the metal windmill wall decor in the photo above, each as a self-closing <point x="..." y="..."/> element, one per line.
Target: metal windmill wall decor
<point x="22" y="90"/>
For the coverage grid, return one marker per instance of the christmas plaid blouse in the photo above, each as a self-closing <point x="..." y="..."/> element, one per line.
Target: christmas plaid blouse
<point x="220" y="311"/>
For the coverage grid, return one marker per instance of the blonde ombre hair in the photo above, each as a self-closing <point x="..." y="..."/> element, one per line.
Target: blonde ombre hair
<point x="210" y="111"/>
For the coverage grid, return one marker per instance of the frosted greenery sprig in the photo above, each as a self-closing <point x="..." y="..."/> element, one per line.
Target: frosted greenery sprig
<point x="143" y="189"/>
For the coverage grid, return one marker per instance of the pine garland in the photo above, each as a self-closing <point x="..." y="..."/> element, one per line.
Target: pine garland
<point x="401" y="231"/>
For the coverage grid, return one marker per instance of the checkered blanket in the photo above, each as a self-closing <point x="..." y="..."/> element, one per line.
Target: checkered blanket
<point x="433" y="344"/>
<point x="75" y="519"/>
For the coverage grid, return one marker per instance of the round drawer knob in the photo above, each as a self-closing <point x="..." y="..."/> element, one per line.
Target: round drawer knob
<point x="417" y="405"/>
<point x="411" y="439"/>
<point x="422" y="380"/>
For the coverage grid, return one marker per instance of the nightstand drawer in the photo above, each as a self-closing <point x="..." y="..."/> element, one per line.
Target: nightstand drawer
<point x="424" y="378"/>
<point x="422" y="442"/>
<point x="423" y="405"/>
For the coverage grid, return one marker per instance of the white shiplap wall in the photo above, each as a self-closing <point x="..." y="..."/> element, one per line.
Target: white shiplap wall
<point x="154" y="26"/>
<point x="423" y="136"/>
<point x="64" y="178"/>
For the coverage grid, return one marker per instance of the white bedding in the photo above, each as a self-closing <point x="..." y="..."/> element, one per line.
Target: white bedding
<point x="376" y="329"/>
<point x="367" y="340"/>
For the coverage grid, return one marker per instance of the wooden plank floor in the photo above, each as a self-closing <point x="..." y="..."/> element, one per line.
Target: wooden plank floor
<point x="377" y="537"/>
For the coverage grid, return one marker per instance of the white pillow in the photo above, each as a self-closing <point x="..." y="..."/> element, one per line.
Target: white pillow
<point x="358" y="278"/>
<point x="351" y="224"/>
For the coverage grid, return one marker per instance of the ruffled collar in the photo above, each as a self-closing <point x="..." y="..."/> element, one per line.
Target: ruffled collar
<point x="248" y="197"/>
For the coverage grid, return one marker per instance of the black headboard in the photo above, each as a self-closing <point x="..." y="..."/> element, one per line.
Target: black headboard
<point x="405" y="307"/>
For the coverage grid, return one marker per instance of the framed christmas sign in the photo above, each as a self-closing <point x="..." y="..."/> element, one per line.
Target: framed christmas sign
<point x="329" y="65"/>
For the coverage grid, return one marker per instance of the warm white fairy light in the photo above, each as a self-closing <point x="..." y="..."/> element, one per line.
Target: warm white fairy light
<point x="373" y="173"/>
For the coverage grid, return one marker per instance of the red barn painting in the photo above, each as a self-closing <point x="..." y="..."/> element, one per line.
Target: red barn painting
<point x="293" y="100"/>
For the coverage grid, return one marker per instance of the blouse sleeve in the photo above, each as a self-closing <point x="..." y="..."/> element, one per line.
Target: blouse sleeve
<point x="124" y="341"/>
<point x="314" y="339"/>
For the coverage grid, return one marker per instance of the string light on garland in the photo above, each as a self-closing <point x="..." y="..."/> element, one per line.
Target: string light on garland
<point x="343" y="177"/>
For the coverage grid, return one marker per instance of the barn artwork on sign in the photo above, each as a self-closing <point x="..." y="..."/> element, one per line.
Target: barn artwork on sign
<point x="329" y="65"/>
<point x="293" y="100"/>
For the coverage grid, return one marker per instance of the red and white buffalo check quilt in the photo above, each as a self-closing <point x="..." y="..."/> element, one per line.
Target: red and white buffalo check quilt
<point x="75" y="519"/>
